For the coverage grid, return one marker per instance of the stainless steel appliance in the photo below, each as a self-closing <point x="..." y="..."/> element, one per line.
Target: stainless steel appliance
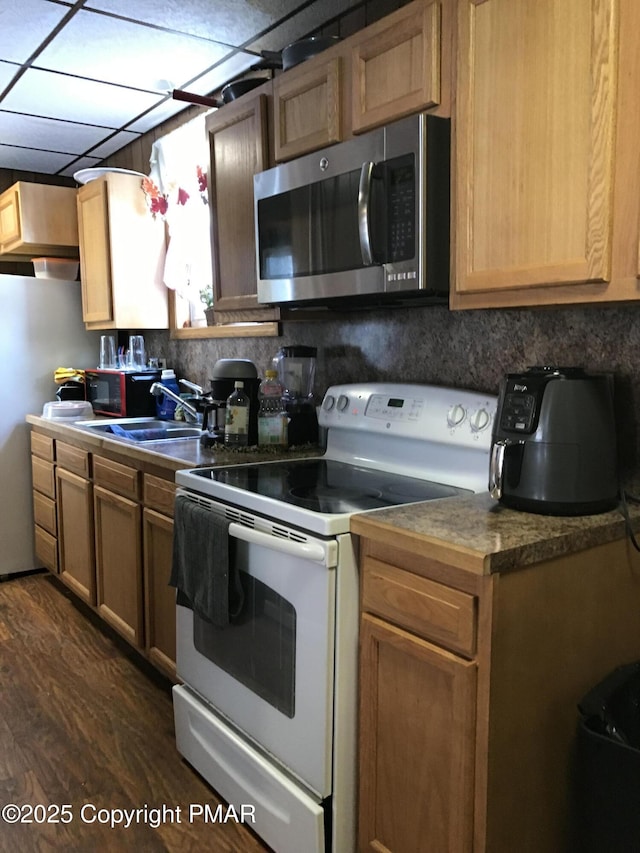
<point x="554" y="442"/>
<point x="363" y="220"/>
<point x="267" y="710"/>
<point x="296" y="367"/>
<point x="121" y="393"/>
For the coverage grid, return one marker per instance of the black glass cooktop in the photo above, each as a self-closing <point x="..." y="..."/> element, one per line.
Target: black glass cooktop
<point x="327" y="486"/>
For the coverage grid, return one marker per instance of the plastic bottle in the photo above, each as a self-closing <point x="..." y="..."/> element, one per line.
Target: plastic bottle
<point x="236" y="427"/>
<point x="272" y="422"/>
<point x="165" y="406"/>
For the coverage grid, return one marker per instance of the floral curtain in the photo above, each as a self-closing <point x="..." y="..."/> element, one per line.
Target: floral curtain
<point x="176" y="190"/>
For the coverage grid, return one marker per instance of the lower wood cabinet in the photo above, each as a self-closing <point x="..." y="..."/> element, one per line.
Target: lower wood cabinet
<point x="159" y="597"/>
<point x="417" y="718"/>
<point x="469" y="686"/>
<point x="76" y="534"/>
<point x="106" y="528"/>
<point x="45" y="514"/>
<point x="119" y="563"/>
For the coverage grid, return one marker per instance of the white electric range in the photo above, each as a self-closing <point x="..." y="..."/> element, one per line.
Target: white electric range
<point x="267" y="711"/>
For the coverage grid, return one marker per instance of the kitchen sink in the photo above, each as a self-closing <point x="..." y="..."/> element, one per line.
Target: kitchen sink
<point x="141" y="430"/>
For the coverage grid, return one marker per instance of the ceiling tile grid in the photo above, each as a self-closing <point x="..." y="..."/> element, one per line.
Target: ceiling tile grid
<point x="80" y="80"/>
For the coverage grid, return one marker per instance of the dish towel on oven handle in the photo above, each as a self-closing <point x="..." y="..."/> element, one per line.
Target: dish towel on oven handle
<point x="206" y="578"/>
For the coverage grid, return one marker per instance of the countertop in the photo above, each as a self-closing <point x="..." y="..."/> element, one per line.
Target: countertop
<point x="474" y="533"/>
<point x="482" y="536"/>
<point x="172" y="455"/>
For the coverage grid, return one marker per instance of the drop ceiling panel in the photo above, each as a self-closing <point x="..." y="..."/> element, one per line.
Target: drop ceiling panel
<point x="17" y="41"/>
<point x="46" y="93"/>
<point x="230" y="22"/>
<point x="116" y="51"/>
<point x="48" y="134"/>
<point x="31" y="160"/>
<point x="79" y="80"/>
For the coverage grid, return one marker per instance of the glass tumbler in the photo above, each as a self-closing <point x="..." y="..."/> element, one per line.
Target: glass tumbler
<point x="137" y="355"/>
<point x="107" y="351"/>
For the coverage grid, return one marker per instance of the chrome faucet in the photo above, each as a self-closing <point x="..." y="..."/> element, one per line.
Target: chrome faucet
<point x="157" y="389"/>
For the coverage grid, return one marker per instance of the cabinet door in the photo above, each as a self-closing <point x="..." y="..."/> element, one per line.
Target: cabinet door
<point x="119" y="563"/>
<point x="396" y="68"/>
<point x="417" y="743"/>
<point x="159" y="597"/>
<point x="9" y="217"/>
<point x="75" y="534"/>
<point x="536" y="86"/>
<point x="95" y="252"/>
<point x="307" y="110"/>
<point x="238" y="149"/>
<point x="38" y="219"/>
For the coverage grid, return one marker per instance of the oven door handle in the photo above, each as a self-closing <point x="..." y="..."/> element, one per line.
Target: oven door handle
<point x="306" y="550"/>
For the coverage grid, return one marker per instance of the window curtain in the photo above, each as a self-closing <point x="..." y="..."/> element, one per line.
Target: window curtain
<point x="176" y="190"/>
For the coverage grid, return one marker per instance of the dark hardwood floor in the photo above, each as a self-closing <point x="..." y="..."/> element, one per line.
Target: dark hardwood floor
<point x="85" y="724"/>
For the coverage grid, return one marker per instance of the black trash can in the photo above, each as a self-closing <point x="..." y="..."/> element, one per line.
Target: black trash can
<point x="608" y="765"/>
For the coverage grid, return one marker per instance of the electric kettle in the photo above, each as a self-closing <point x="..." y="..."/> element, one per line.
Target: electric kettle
<point x="554" y="442"/>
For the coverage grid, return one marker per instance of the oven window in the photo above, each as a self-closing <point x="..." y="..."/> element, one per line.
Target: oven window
<point x="258" y="648"/>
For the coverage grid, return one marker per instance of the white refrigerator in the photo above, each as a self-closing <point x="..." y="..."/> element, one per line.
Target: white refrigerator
<point x="40" y="329"/>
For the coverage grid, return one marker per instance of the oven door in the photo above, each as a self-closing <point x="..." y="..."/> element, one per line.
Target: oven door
<point x="270" y="673"/>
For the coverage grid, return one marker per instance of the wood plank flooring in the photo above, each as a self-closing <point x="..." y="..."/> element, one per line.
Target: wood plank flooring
<point x="83" y="722"/>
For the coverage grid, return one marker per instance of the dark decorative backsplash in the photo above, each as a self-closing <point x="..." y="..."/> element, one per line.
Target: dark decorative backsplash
<point x="467" y="349"/>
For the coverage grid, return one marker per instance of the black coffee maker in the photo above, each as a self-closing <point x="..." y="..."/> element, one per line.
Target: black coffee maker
<point x="554" y="442"/>
<point x="296" y="366"/>
<point x="226" y="371"/>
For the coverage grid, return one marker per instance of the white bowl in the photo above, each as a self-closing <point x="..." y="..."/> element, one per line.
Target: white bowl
<point x="70" y="410"/>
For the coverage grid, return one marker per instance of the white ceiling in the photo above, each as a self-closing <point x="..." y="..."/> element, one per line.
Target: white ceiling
<point x="80" y="80"/>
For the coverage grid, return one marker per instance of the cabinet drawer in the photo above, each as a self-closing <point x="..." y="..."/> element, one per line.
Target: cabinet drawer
<point x="44" y="513"/>
<point x="73" y="459"/>
<point x="428" y="609"/>
<point x="159" y="494"/>
<point x="42" y="446"/>
<point x="46" y="548"/>
<point x="43" y="477"/>
<point x="117" y="477"/>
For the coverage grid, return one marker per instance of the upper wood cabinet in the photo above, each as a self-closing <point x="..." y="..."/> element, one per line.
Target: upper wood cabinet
<point x="38" y="219"/>
<point x="396" y="66"/>
<point x="307" y="109"/>
<point x="122" y="250"/>
<point x="535" y="162"/>
<point x="239" y="147"/>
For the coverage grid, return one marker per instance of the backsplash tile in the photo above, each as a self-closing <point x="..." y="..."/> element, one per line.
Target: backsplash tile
<point x="467" y="349"/>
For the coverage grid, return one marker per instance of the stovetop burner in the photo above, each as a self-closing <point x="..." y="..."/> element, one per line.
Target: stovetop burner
<point x="328" y="486"/>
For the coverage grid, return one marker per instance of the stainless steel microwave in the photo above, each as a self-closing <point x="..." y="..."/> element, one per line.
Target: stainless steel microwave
<point x="365" y="220"/>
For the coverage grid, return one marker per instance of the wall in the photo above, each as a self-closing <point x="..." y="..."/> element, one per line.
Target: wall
<point x="471" y="349"/>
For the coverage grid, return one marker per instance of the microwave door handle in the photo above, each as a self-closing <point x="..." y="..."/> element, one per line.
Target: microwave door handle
<point x="305" y="550"/>
<point x="364" y="201"/>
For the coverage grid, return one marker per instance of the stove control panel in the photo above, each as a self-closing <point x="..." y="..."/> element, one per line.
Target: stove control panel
<point x="426" y="412"/>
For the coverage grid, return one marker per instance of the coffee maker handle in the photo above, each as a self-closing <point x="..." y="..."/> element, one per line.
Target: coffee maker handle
<point x="496" y="467"/>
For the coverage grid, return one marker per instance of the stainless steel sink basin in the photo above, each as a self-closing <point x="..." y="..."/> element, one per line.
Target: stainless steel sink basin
<point x="141" y="430"/>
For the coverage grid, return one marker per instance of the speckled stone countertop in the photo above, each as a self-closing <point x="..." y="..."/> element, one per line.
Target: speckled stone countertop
<point x="477" y="534"/>
<point x="474" y="533"/>
<point x="169" y="455"/>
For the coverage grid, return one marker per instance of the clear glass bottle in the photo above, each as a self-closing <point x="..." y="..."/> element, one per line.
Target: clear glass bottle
<point x="272" y="420"/>
<point x="236" y="427"/>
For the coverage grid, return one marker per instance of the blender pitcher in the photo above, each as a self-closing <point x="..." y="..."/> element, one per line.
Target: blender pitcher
<point x="296" y="366"/>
